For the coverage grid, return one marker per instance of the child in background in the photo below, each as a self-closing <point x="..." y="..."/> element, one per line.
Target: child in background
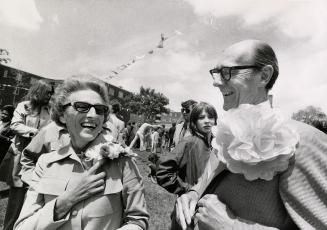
<point x="154" y="140"/>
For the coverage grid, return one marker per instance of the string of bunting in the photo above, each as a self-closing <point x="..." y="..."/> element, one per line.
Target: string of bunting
<point x="115" y="72"/>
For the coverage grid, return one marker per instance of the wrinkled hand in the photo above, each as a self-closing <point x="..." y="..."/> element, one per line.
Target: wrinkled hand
<point x="185" y="208"/>
<point x="213" y="214"/>
<point x="89" y="184"/>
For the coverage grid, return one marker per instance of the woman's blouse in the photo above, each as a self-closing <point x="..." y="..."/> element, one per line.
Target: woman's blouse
<point x="121" y="203"/>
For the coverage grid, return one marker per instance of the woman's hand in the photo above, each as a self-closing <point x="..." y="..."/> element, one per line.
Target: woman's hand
<point x="90" y="184"/>
<point x="213" y="214"/>
<point x="185" y="208"/>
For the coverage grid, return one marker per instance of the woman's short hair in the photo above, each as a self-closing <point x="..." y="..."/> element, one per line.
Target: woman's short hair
<point x="71" y="85"/>
<point x="196" y="112"/>
<point x="39" y="92"/>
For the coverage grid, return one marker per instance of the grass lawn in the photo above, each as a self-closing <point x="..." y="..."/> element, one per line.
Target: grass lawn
<point x="160" y="202"/>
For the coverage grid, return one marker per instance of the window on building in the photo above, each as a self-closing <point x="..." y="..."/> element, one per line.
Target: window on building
<point x="19" y="77"/>
<point x="120" y="94"/>
<point x="16" y="91"/>
<point x="5" y="73"/>
<point x="111" y="91"/>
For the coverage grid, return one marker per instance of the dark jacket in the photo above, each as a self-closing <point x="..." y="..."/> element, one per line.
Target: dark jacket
<point x="6" y="134"/>
<point x="181" y="168"/>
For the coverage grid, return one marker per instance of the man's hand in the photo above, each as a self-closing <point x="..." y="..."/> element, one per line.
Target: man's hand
<point x="185" y="208"/>
<point x="90" y="184"/>
<point x="213" y="214"/>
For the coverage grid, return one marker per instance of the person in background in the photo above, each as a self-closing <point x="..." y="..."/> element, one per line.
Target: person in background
<point x="118" y="123"/>
<point x="171" y="133"/>
<point x="6" y="134"/>
<point x="179" y="170"/>
<point x="162" y="138"/>
<point x="166" y="135"/>
<point x="50" y="138"/>
<point x="182" y="130"/>
<point x="132" y="133"/>
<point x="127" y="131"/>
<point x="28" y="118"/>
<point x="148" y="140"/>
<point x="112" y="129"/>
<point x="144" y="129"/>
<point x="266" y="171"/>
<point x="154" y="140"/>
<point x="106" y="195"/>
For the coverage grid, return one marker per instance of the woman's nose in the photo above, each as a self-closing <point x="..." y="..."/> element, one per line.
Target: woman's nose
<point x="206" y="120"/>
<point x="92" y="112"/>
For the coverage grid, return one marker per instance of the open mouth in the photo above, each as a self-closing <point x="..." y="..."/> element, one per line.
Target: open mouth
<point x="89" y="125"/>
<point x="226" y="94"/>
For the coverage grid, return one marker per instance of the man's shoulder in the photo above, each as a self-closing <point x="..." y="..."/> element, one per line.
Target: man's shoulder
<point x="308" y="132"/>
<point x="302" y="186"/>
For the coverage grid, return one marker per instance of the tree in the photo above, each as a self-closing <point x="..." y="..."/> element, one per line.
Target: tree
<point x="312" y="116"/>
<point x="147" y="102"/>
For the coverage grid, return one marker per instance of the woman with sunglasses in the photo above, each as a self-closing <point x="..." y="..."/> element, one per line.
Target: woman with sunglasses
<point x="68" y="194"/>
<point x="180" y="170"/>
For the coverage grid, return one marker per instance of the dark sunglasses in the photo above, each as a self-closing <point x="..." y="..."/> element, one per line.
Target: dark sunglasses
<point x="84" y="107"/>
<point x="227" y="72"/>
<point x="185" y="110"/>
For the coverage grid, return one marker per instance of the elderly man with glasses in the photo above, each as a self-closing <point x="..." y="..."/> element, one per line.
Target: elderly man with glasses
<point x="266" y="171"/>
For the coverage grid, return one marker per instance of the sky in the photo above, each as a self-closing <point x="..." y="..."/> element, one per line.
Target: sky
<point x="58" y="39"/>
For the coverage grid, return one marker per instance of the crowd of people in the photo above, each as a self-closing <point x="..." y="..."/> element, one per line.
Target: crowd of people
<point x="68" y="157"/>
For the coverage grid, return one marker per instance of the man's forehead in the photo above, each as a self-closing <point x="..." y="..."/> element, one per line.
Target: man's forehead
<point x="238" y="54"/>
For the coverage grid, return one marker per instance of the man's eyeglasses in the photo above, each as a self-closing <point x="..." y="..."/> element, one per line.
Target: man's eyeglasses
<point x="227" y="72"/>
<point x="185" y="110"/>
<point x="84" y="107"/>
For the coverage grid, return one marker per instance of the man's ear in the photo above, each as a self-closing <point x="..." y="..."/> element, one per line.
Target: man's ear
<point x="267" y="72"/>
<point x="62" y="119"/>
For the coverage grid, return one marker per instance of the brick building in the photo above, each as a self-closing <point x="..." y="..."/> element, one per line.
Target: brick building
<point x="14" y="85"/>
<point x="168" y="118"/>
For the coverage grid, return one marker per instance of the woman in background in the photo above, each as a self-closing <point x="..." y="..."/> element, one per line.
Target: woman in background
<point x="179" y="170"/>
<point x="29" y="116"/>
<point x="6" y="134"/>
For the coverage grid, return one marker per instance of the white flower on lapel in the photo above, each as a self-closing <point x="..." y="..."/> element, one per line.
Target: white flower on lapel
<point x="255" y="140"/>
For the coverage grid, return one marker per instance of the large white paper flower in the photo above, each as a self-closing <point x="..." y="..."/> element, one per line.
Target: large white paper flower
<point x="256" y="140"/>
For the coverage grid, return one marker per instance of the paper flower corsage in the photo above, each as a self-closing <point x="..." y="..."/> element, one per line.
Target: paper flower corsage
<point x="256" y="141"/>
<point x="101" y="148"/>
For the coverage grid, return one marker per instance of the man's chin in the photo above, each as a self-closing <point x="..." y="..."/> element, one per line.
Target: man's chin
<point x="227" y="107"/>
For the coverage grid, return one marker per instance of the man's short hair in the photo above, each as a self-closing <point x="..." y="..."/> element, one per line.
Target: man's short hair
<point x="188" y="103"/>
<point x="265" y="55"/>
